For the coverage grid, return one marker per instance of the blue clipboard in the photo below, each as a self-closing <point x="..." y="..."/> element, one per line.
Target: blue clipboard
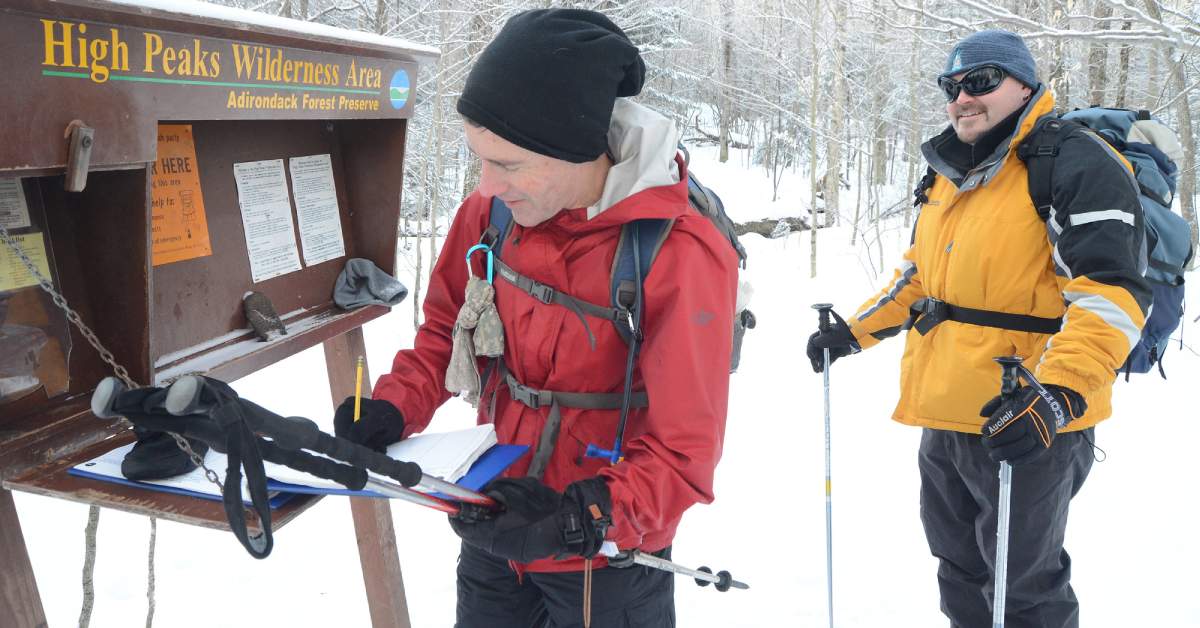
<point x="275" y="501"/>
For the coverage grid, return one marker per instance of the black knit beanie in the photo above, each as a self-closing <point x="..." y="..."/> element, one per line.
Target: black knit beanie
<point x="549" y="79"/>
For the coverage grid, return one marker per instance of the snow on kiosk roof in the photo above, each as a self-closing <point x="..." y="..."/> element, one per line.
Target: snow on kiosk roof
<point x="195" y="10"/>
<point x="161" y="161"/>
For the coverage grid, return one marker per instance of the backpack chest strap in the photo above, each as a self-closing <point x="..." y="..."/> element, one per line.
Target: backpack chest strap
<point x="547" y="294"/>
<point x="927" y="313"/>
<point x="535" y="398"/>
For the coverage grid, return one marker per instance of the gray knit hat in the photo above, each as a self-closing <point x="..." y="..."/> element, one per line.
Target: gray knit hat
<point x="993" y="47"/>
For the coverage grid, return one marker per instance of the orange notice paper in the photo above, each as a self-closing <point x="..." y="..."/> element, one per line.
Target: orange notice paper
<point x="179" y="227"/>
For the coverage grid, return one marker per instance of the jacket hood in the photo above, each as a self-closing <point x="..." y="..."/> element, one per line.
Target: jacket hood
<point x="643" y="145"/>
<point x="647" y="180"/>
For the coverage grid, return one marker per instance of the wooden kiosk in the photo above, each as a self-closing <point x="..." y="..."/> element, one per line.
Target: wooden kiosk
<point x="156" y="166"/>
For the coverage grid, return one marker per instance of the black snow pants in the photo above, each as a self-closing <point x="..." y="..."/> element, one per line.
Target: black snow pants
<point x="959" y="499"/>
<point x="491" y="596"/>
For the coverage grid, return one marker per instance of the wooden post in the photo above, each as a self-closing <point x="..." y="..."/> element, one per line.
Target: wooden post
<point x="372" y="517"/>
<point x="20" y="603"/>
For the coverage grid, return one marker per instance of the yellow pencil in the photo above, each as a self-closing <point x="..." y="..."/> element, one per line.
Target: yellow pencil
<point x="358" y="390"/>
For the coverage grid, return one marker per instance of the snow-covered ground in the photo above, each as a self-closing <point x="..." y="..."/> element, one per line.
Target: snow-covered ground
<point x="1132" y="533"/>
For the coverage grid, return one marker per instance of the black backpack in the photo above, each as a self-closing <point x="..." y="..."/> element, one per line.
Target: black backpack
<point x="1145" y="142"/>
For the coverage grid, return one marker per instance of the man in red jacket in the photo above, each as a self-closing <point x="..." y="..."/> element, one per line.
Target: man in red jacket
<point x="545" y="111"/>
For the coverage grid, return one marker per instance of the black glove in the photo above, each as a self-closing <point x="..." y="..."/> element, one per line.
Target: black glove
<point x="1022" y="426"/>
<point x="837" y="339"/>
<point x="379" y="423"/>
<point x="537" y="521"/>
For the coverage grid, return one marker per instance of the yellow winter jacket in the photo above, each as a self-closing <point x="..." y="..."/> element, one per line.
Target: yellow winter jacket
<point x="979" y="243"/>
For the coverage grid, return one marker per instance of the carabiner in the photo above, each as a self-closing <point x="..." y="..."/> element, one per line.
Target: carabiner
<point x="489" y="259"/>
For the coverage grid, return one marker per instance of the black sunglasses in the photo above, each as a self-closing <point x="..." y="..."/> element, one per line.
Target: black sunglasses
<point x="982" y="80"/>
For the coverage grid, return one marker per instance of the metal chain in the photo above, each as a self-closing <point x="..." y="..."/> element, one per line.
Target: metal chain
<point x="105" y="354"/>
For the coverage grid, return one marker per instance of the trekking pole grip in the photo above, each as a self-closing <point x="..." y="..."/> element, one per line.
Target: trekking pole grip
<point x="823" y="313"/>
<point x="1009" y="375"/>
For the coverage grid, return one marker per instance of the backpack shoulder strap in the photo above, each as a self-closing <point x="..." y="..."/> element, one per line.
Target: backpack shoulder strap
<point x="920" y="193"/>
<point x="637" y="247"/>
<point x="499" y="224"/>
<point x="1038" y="150"/>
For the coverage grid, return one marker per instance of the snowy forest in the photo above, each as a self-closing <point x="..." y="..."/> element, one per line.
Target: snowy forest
<point x="835" y="90"/>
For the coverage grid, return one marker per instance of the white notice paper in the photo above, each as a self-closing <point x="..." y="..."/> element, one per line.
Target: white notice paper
<point x="317" y="208"/>
<point x="14" y="213"/>
<point x="266" y="218"/>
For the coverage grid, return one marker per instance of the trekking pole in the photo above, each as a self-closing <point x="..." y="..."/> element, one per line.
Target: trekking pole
<point x="823" y="326"/>
<point x="192" y="395"/>
<point x="722" y="580"/>
<point x="198" y="395"/>
<point x="1009" y="382"/>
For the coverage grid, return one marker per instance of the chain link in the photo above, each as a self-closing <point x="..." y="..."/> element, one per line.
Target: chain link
<point x="105" y="354"/>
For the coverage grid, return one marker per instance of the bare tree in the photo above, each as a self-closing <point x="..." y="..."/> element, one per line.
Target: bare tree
<point x="833" y="180"/>
<point x="815" y="18"/>
<point x="725" y="104"/>
<point x="1123" y="68"/>
<point x="1098" y="57"/>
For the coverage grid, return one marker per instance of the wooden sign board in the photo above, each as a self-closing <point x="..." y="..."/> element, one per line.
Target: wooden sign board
<point x="157" y="251"/>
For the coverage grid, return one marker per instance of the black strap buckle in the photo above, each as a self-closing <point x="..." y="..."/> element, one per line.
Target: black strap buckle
<point x="490" y="235"/>
<point x="927" y="313"/>
<point x="542" y="292"/>
<point x="572" y="532"/>
<point x="524" y="394"/>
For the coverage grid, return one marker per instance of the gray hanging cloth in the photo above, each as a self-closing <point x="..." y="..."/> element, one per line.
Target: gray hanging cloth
<point x="478" y="333"/>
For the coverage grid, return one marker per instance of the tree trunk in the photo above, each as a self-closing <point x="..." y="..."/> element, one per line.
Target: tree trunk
<point x="479" y="34"/>
<point x="438" y="150"/>
<point x="1153" y="77"/>
<point x="1098" y="58"/>
<point x="833" y="179"/>
<point x="381" y="14"/>
<point x="812" y="133"/>
<point x="767" y="226"/>
<point x="416" y="293"/>
<point x="725" y="106"/>
<point x="914" y="128"/>
<point x="858" y="202"/>
<point x="1123" y="69"/>
<point x="1060" y="78"/>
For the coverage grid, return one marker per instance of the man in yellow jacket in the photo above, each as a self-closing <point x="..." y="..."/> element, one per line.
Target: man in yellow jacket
<point x="987" y="276"/>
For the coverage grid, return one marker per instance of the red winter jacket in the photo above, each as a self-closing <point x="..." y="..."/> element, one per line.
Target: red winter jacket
<point x="672" y="447"/>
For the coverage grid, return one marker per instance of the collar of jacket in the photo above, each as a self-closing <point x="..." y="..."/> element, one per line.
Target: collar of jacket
<point x="643" y="144"/>
<point x="935" y="150"/>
